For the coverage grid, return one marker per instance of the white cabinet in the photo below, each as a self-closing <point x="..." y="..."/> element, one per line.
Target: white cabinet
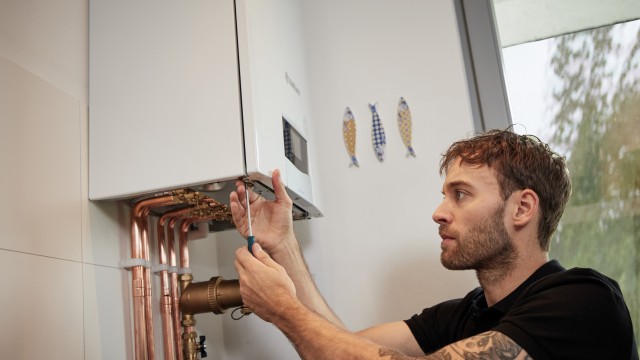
<point x="184" y="93"/>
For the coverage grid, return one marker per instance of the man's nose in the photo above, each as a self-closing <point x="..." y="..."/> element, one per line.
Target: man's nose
<point x="441" y="215"/>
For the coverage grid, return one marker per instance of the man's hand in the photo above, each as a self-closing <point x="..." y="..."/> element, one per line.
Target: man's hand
<point x="271" y="221"/>
<point x="265" y="287"/>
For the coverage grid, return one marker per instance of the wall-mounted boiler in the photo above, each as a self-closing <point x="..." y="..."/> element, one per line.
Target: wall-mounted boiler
<point x="195" y="94"/>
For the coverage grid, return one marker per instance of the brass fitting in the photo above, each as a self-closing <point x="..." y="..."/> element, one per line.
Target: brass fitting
<point x="189" y="345"/>
<point x="185" y="280"/>
<point x="216" y="295"/>
<point x="188" y="320"/>
<point x="186" y="196"/>
<point x="192" y="348"/>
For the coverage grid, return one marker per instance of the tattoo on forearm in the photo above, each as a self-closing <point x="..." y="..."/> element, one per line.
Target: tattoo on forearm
<point x="488" y="345"/>
<point x="392" y="354"/>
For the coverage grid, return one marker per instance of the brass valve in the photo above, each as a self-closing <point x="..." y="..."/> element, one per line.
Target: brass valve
<point x="192" y="349"/>
<point x="216" y="295"/>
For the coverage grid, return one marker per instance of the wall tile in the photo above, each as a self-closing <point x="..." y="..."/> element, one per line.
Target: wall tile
<point x="107" y="315"/>
<point x="105" y="224"/>
<point x="40" y="162"/>
<point x="50" y="39"/>
<point x="42" y="302"/>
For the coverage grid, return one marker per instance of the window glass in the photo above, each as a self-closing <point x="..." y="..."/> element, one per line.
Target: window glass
<point x="580" y="92"/>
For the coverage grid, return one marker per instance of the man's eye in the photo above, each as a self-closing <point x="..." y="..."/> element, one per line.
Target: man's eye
<point x="460" y="195"/>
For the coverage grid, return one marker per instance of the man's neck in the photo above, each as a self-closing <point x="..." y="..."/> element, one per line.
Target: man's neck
<point x="498" y="283"/>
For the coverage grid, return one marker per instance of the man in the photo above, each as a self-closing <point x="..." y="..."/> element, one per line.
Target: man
<point x="504" y="195"/>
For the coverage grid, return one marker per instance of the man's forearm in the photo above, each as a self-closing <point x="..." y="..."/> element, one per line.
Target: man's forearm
<point x="315" y="338"/>
<point x="292" y="259"/>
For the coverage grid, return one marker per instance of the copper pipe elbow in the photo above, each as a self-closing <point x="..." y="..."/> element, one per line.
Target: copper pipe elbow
<point x="216" y="295"/>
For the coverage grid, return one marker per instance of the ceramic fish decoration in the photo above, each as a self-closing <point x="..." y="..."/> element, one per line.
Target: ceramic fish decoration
<point x="349" y="135"/>
<point x="404" y="124"/>
<point x="377" y="133"/>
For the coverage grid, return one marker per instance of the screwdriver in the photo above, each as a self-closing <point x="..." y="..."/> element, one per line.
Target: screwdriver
<point x="250" y="238"/>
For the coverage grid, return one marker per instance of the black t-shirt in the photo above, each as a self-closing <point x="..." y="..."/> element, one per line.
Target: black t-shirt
<point x="554" y="314"/>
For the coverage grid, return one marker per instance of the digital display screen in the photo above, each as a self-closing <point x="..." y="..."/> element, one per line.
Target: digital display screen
<point x="295" y="147"/>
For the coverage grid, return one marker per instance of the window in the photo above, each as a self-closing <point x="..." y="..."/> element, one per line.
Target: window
<point x="571" y="73"/>
<point x="580" y="92"/>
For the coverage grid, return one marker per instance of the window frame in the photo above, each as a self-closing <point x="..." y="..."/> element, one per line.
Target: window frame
<point x="482" y="55"/>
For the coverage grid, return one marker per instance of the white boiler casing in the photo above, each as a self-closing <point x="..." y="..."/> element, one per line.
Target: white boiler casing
<point x="191" y="93"/>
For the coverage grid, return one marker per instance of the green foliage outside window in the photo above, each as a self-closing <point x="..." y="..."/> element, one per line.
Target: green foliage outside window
<point x="596" y="122"/>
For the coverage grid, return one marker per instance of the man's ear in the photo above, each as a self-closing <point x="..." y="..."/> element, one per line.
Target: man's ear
<point x="527" y="204"/>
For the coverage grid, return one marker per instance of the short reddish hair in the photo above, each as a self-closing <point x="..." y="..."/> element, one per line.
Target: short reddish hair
<point x="520" y="162"/>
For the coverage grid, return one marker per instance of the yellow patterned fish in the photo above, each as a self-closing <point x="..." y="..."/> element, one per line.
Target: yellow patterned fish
<point x="349" y="135"/>
<point x="404" y="124"/>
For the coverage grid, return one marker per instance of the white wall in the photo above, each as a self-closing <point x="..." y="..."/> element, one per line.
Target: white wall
<point x="374" y="254"/>
<point x="63" y="294"/>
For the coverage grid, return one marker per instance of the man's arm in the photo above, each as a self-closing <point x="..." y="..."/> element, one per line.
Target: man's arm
<point x="292" y="259"/>
<point x="315" y="338"/>
<point x="268" y="291"/>
<point x="393" y="335"/>
<point x="272" y="225"/>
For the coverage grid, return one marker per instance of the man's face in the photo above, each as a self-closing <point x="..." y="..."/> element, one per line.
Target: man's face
<point x="471" y="219"/>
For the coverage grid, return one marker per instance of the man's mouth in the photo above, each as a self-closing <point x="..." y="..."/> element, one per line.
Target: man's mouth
<point x="446" y="237"/>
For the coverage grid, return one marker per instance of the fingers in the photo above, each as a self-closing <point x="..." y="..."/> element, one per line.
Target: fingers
<point x="245" y="261"/>
<point x="237" y="214"/>
<point x="278" y="187"/>
<point x="238" y="203"/>
<point x="241" y="258"/>
<point x="262" y="255"/>
<point x="237" y="210"/>
<point x="242" y="196"/>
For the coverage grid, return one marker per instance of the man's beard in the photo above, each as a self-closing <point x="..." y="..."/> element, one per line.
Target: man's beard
<point x="486" y="248"/>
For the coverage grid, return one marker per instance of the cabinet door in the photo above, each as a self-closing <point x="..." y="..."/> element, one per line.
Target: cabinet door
<point x="275" y="89"/>
<point x="164" y="95"/>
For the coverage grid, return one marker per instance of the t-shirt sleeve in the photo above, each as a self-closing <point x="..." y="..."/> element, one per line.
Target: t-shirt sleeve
<point x="429" y="326"/>
<point x="579" y="315"/>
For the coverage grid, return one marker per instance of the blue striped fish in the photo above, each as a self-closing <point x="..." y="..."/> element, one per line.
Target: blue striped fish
<point x="349" y="135"/>
<point x="377" y="133"/>
<point x="404" y="123"/>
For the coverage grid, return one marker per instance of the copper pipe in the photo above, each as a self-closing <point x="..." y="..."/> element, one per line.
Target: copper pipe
<point x="141" y="280"/>
<point x="138" y="279"/>
<point x="137" y="290"/>
<point x="141" y="275"/>
<point x="183" y="236"/>
<point x="175" y="312"/>
<point x="188" y="320"/>
<point x="165" y="298"/>
<point x="214" y="211"/>
<point x="148" y="308"/>
<point x="138" y="312"/>
<point x="165" y="307"/>
<point x="166" y="310"/>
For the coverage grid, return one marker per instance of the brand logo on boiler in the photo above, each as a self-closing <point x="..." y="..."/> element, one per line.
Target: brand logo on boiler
<point x="291" y="83"/>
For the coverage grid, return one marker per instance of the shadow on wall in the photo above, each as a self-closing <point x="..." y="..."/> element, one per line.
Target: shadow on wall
<point x="417" y="281"/>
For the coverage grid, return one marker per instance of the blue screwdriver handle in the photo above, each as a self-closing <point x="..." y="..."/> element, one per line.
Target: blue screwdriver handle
<point x="250" y="241"/>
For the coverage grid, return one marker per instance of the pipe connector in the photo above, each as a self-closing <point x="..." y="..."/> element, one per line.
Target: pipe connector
<point x="186" y="196"/>
<point x="193" y="348"/>
<point x="216" y="295"/>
